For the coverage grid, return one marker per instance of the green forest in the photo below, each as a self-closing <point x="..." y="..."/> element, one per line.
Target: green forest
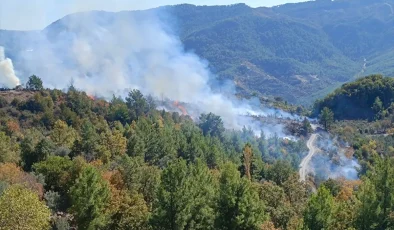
<point x="368" y="98"/>
<point x="69" y="160"/>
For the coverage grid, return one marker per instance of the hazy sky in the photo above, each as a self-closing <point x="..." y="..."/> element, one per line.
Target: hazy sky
<point x="36" y="14"/>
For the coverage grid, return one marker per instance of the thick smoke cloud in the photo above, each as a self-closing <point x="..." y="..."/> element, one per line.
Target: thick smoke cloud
<point x="110" y="53"/>
<point x="7" y="74"/>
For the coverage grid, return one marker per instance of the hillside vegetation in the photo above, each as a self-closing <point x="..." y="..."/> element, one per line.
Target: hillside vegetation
<point x="69" y="160"/>
<point x="367" y="98"/>
<point x="138" y="163"/>
<point x="296" y="51"/>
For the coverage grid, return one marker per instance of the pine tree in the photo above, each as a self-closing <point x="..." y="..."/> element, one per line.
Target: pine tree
<point x="185" y="198"/>
<point x="239" y="206"/>
<point x="367" y="209"/>
<point x="89" y="196"/>
<point x="89" y="139"/>
<point x="378" y="108"/>
<point x="203" y="194"/>
<point x="34" y="83"/>
<point x="326" y="118"/>
<point x="376" y="197"/>
<point x="319" y="210"/>
<point x="172" y="208"/>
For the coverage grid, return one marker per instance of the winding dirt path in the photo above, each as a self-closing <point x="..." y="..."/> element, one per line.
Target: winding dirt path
<point x="304" y="166"/>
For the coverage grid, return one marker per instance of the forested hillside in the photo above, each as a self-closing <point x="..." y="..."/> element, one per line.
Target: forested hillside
<point x="70" y="160"/>
<point x="296" y="51"/>
<point x="125" y="165"/>
<point x="368" y="98"/>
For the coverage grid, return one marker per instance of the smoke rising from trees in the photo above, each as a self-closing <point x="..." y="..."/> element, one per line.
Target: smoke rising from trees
<point x="111" y="53"/>
<point x="8" y="77"/>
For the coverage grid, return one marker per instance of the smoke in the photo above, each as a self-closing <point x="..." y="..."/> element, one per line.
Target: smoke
<point x="110" y="53"/>
<point x="7" y="74"/>
<point x="334" y="163"/>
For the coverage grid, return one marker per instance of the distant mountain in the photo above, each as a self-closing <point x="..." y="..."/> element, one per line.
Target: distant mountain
<point x="296" y="51"/>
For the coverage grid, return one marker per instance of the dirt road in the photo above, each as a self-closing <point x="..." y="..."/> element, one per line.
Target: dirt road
<point x="304" y="166"/>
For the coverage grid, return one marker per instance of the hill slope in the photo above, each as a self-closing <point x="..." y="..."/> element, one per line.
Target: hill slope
<point x="296" y="51"/>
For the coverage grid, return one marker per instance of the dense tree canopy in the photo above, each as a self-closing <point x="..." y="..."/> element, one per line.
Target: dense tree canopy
<point x="22" y="209"/>
<point x="366" y="98"/>
<point x="147" y="169"/>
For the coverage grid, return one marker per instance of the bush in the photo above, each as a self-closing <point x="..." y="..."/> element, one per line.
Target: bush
<point x="3" y="102"/>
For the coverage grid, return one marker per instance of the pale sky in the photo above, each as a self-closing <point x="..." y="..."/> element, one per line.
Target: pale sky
<point x="37" y="14"/>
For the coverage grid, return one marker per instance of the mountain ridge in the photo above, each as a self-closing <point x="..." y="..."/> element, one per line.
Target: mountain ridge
<point x="293" y="51"/>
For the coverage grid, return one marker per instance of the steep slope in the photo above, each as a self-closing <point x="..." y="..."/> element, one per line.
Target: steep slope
<point x="296" y="51"/>
<point x="264" y="52"/>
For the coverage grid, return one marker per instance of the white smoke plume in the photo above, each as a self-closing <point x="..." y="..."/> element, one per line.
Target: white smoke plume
<point x="8" y="78"/>
<point x="333" y="162"/>
<point x="110" y="53"/>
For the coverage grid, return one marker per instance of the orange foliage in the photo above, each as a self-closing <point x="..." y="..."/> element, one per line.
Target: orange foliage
<point x="348" y="187"/>
<point x="12" y="174"/>
<point x="268" y="225"/>
<point x="96" y="163"/>
<point x="114" y="179"/>
<point x="12" y="126"/>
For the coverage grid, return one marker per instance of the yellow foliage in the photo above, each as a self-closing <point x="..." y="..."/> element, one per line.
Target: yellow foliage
<point x="347" y="189"/>
<point x="62" y="135"/>
<point x="22" y="209"/>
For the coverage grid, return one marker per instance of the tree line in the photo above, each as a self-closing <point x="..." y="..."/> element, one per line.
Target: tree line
<point x="69" y="161"/>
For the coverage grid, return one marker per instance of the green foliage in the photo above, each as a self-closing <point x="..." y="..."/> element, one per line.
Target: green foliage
<point x="89" y="141"/>
<point x="62" y="135"/>
<point x="130" y="212"/>
<point x="119" y="111"/>
<point x="239" y="206"/>
<point x="111" y="144"/>
<point x="34" y="83"/>
<point x="61" y="223"/>
<point x="79" y="102"/>
<point x="140" y="178"/>
<point x="37" y="104"/>
<point x="284" y="204"/>
<point x="306" y="127"/>
<point x="319" y="210"/>
<point x="138" y="104"/>
<point x="173" y="173"/>
<point x="211" y="125"/>
<point x="279" y="172"/>
<point x="326" y="118"/>
<point x="333" y="186"/>
<point x="89" y="197"/>
<point x="22" y="209"/>
<point x="52" y="200"/>
<point x="3" y="102"/>
<point x="185" y="198"/>
<point x="376" y="197"/>
<point x="366" y="217"/>
<point x="365" y="98"/>
<point x="9" y="150"/>
<point x="35" y="153"/>
<point x="58" y="173"/>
